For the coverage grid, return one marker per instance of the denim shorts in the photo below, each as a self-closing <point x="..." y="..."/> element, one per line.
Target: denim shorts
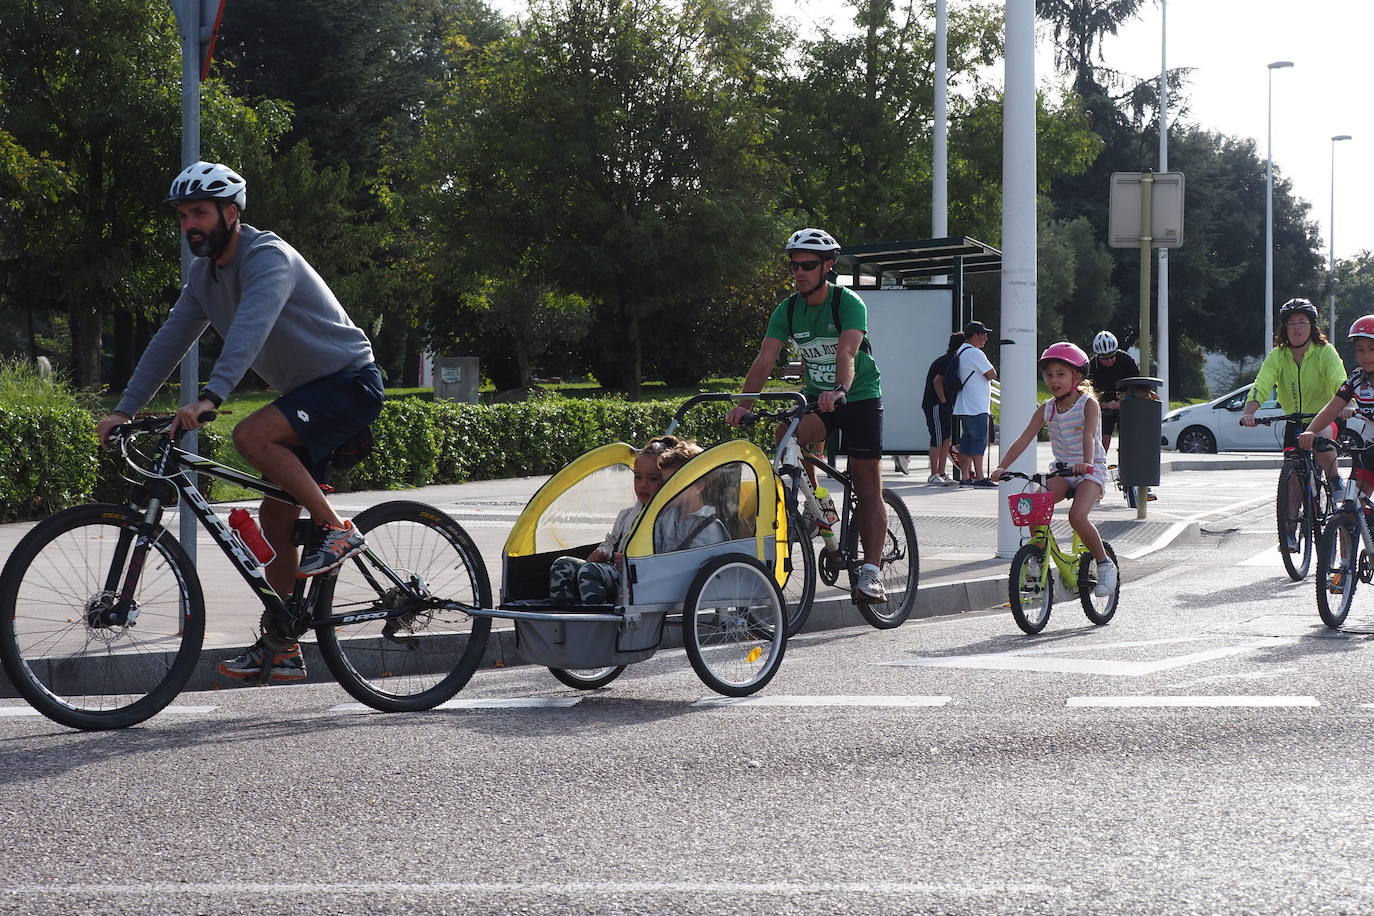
<point x="329" y="411"/>
<point x="974" y="440"/>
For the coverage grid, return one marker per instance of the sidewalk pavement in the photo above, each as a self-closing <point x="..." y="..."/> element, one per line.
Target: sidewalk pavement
<point x="956" y="528"/>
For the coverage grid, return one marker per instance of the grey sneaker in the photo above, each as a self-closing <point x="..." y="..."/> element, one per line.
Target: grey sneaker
<point x="901" y="463"/>
<point x="935" y="480"/>
<point x="332" y="547"/>
<point x="1106" y="579"/>
<point x="287" y="665"/>
<point x="869" y="587"/>
<point x="984" y="483"/>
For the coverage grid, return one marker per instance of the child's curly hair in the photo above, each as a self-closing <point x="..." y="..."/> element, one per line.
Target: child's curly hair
<point x="671" y="451"/>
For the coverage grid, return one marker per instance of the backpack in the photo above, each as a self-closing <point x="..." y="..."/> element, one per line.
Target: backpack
<point x="864" y="347"/>
<point x="953" y="383"/>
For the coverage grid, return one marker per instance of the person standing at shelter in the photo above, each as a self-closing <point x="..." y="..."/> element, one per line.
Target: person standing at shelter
<point x="830" y="326"/>
<point x="939" y="412"/>
<point x="1106" y="369"/>
<point x="973" y="405"/>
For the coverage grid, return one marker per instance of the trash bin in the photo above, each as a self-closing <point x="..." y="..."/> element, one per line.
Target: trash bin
<point x="1139" y="426"/>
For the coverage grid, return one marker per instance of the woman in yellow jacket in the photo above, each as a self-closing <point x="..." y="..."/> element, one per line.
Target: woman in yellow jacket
<point x="1305" y="369"/>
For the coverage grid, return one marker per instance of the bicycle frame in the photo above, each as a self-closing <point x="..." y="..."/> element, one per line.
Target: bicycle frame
<point x="1065" y="562"/>
<point x="174" y="466"/>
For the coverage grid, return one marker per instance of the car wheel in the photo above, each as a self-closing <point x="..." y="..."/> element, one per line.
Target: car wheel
<point x="1196" y="439"/>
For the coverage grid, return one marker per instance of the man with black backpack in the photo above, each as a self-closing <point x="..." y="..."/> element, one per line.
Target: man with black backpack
<point x="968" y="382"/>
<point x="829" y="324"/>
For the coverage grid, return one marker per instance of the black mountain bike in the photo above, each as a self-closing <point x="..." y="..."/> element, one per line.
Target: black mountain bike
<point x="901" y="561"/>
<point x="1303" y="503"/>
<point x="102" y="614"/>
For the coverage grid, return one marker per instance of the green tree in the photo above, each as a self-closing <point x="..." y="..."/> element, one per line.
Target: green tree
<point x="640" y="180"/>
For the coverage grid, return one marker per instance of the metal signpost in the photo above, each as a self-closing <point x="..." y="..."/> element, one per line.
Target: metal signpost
<point x="1146" y="211"/>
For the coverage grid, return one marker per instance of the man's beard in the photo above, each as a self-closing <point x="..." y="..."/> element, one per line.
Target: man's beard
<point x="207" y="246"/>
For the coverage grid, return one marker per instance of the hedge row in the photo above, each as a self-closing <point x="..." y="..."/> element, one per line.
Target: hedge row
<point x="49" y="459"/>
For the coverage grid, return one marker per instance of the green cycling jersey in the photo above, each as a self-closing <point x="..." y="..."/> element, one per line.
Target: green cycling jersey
<point x="1302" y="387"/>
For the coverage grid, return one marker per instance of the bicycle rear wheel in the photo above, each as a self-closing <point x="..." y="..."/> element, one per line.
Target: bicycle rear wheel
<point x="901" y="568"/>
<point x="1031" y="588"/>
<point x="733" y="625"/>
<point x="1338" y="573"/>
<point x="60" y="647"/>
<point x="423" y="657"/>
<point x="1099" y="608"/>
<point x="1293" y="508"/>
<point x="799" y="574"/>
<point x="587" y="678"/>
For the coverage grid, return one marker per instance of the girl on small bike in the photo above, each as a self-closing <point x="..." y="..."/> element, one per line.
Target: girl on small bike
<point x="1075" y="423"/>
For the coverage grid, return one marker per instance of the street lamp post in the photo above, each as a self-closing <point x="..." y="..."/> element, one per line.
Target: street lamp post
<point x="1269" y="217"/>
<point x="1331" y="242"/>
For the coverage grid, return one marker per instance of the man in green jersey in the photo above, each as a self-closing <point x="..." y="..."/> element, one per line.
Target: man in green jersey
<point x="841" y="378"/>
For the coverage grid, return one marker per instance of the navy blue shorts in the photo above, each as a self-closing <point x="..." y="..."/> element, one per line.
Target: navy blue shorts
<point x="330" y="411"/>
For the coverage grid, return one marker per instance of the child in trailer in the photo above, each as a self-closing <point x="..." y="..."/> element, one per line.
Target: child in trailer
<point x="596" y="580"/>
<point x="1075" y="423"/>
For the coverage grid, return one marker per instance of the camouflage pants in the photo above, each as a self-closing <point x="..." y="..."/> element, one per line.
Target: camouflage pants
<point x="571" y="579"/>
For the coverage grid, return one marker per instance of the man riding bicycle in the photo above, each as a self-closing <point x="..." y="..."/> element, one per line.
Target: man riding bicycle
<point x="1305" y="369"/>
<point x="1106" y="369"/>
<point x="829" y="324"/>
<point x="277" y="317"/>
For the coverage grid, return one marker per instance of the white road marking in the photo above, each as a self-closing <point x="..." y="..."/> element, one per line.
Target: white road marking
<point x="1269" y="556"/>
<point x="594" y="889"/>
<point x="18" y="711"/>
<point x="1161" y="701"/>
<point x="885" y="701"/>
<point x="1017" y="661"/>
<point x="11" y="711"/>
<point x="485" y="703"/>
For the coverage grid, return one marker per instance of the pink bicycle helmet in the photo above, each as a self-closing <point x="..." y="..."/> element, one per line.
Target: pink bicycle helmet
<point x="1064" y="352"/>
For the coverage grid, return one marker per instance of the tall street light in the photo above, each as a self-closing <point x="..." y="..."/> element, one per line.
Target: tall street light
<point x="1331" y="241"/>
<point x="1269" y="217"/>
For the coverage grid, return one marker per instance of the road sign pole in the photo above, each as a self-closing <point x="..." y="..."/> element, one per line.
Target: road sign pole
<point x="1146" y="250"/>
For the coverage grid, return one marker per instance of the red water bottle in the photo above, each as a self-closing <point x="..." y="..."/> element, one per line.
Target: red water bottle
<point x="251" y="535"/>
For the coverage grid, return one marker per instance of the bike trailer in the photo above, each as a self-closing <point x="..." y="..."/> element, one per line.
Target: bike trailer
<point x="725" y="500"/>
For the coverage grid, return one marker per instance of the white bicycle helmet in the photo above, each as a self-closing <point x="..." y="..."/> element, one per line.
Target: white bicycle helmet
<point x="817" y="240"/>
<point x="208" y="180"/>
<point x="1104" y="344"/>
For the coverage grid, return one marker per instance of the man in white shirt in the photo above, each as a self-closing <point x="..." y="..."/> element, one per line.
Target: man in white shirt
<point x="973" y="406"/>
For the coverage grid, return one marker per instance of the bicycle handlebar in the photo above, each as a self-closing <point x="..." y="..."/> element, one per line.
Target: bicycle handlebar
<point x="1286" y="418"/>
<point x="1061" y="470"/>
<point x="156" y="423"/>
<point x="730" y="396"/>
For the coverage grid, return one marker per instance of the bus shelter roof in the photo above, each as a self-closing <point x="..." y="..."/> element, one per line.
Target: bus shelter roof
<point x="910" y="260"/>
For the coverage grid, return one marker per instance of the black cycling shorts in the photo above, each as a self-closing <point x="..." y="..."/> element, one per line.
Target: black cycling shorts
<point x="861" y="426"/>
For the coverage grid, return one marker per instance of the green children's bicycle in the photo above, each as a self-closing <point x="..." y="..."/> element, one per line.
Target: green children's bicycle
<point x="1041" y="560"/>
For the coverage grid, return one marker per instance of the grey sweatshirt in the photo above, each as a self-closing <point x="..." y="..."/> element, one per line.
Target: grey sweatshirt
<point x="274" y="313"/>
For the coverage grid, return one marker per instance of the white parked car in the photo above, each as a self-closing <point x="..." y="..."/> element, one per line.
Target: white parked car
<point x="1215" y="426"/>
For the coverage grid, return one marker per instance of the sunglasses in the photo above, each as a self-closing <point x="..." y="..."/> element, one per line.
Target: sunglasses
<point x="805" y="266"/>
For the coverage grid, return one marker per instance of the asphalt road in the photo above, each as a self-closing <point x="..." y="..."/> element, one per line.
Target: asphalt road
<point x="950" y="766"/>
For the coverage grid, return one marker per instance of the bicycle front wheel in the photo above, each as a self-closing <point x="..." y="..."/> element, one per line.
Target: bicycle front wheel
<point x="797" y="578"/>
<point x="420" y="559"/>
<point x="733" y="625"/>
<point x="1099" y="608"/>
<point x="1293" y="509"/>
<point x="1031" y="588"/>
<point x="69" y="649"/>
<point x="1338" y="572"/>
<point x="901" y="568"/>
